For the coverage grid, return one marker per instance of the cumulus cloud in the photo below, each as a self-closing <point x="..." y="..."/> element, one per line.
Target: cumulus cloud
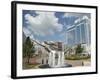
<point x="76" y="15"/>
<point x="45" y="23"/>
<point x="72" y="15"/>
<point x="26" y="31"/>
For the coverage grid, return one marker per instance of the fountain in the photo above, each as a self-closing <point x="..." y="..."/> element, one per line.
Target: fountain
<point x="56" y="58"/>
<point x="57" y="62"/>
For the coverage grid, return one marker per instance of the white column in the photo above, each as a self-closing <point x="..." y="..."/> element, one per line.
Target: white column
<point x="50" y="59"/>
<point x="80" y="34"/>
<point x="75" y="35"/>
<point x="53" y="59"/>
<point x="87" y="35"/>
<point x="62" y="58"/>
<point x="59" y="59"/>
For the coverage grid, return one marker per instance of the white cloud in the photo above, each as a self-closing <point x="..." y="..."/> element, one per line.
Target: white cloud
<point x="72" y="15"/>
<point x="26" y="31"/>
<point x="66" y="15"/>
<point x="32" y="36"/>
<point x="45" y="23"/>
<point x="75" y="15"/>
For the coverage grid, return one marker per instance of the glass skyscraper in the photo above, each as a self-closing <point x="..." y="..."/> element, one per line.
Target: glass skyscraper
<point x="79" y="32"/>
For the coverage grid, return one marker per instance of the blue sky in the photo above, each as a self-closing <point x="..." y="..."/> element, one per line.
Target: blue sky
<point x="48" y="26"/>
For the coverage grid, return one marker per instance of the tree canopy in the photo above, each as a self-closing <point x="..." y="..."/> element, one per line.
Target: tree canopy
<point x="79" y="49"/>
<point x="28" y="48"/>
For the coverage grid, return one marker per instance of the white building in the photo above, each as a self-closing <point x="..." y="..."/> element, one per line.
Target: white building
<point x="55" y="58"/>
<point x="79" y="33"/>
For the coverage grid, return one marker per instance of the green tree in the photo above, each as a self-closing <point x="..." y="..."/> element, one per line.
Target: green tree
<point x="28" y="49"/>
<point x="79" y="49"/>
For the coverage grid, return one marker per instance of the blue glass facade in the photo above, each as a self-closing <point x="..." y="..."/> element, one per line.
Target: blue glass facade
<point x="79" y="34"/>
<point x="71" y="38"/>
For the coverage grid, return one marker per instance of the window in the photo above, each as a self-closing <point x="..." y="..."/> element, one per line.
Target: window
<point x="47" y="61"/>
<point x="71" y="37"/>
<point x="78" y="35"/>
<point x="42" y="61"/>
<point x="83" y="33"/>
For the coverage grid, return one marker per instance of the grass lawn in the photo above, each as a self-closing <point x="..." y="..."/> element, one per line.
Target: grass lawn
<point x="77" y="57"/>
